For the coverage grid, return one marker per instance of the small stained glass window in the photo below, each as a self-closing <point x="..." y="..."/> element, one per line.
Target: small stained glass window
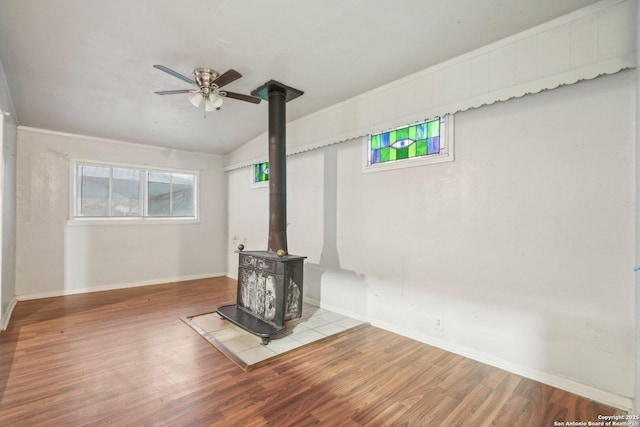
<point x="260" y="172"/>
<point x="408" y="142"/>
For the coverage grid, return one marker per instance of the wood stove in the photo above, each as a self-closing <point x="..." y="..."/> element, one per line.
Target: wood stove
<point x="270" y="282"/>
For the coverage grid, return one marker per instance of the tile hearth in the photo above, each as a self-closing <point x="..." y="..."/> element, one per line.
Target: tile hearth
<point x="246" y="349"/>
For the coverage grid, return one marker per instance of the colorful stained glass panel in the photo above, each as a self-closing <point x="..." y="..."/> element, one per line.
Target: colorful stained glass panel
<point x="417" y="140"/>
<point x="261" y="172"/>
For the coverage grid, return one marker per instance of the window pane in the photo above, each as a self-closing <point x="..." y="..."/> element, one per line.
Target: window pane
<point x="409" y="142"/>
<point x="159" y="194"/>
<point x="93" y="190"/>
<point x="261" y="172"/>
<point x="126" y="192"/>
<point x="183" y="189"/>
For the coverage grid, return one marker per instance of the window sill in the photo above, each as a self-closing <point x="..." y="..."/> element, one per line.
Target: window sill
<point x="131" y="221"/>
<point x="263" y="184"/>
<point x="407" y="163"/>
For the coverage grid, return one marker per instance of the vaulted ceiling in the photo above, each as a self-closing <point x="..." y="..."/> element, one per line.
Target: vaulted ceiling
<point x="85" y="66"/>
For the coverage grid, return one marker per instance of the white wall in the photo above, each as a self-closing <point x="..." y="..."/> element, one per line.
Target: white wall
<point x="637" y="296"/>
<point x="524" y="245"/>
<point x="9" y="137"/>
<point x="54" y="257"/>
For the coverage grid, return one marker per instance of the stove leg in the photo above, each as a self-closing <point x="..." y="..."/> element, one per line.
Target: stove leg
<point x="265" y="340"/>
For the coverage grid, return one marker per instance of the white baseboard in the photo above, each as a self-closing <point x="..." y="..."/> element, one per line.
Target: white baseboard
<point x="232" y="276"/>
<point x="6" y="316"/>
<point x="110" y="287"/>
<point x="622" y="402"/>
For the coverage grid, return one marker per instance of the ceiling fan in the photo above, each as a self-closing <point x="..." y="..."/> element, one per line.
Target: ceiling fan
<point x="207" y="84"/>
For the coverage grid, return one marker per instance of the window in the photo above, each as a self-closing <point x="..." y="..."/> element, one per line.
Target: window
<point x="109" y="191"/>
<point x="260" y="174"/>
<point x="424" y="142"/>
<point x="170" y="194"/>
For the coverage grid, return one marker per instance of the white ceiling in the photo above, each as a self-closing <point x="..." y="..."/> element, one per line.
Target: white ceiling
<point x="85" y="66"/>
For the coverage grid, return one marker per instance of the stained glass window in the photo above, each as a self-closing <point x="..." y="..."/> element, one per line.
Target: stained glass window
<point x="260" y="172"/>
<point x="408" y="142"/>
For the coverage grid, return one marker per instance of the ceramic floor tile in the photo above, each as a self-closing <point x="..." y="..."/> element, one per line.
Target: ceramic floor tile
<point x="307" y="337"/>
<point x="227" y="333"/>
<point x="314" y="322"/>
<point x="243" y="342"/>
<point x="348" y="322"/>
<point x="331" y="317"/>
<point x="255" y="354"/>
<point x="210" y="322"/>
<point x="282" y="345"/>
<point x="330" y="329"/>
<point x="291" y="328"/>
<point x="310" y="312"/>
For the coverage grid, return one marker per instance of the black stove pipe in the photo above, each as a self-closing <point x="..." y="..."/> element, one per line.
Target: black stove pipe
<point x="278" y="95"/>
<point x="277" y="170"/>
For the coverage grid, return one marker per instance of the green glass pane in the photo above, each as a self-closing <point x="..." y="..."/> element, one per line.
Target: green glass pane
<point x="375" y="141"/>
<point x="433" y="128"/>
<point x="421" y="147"/>
<point x="402" y="153"/>
<point x="412" y="150"/>
<point x="392" y="153"/>
<point x="393" y="137"/>
<point x="384" y="154"/>
<point x="413" y="133"/>
<point x="402" y="133"/>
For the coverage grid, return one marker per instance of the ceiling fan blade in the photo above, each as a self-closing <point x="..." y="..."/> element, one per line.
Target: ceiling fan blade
<point x="174" y="73"/>
<point x="227" y="77"/>
<point x="242" y="97"/>
<point x="175" y="92"/>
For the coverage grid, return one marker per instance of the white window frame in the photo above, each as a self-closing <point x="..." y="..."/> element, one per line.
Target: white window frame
<point x="143" y="218"/>
<point x="446" y="151"/>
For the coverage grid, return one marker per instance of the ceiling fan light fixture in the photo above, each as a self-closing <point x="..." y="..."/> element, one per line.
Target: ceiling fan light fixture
<point x="217" y="101"/>
<point x="196" y="99"/>
<point x="213" y="102"/>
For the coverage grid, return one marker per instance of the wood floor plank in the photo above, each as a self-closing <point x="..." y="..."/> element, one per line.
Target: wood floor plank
<point x="125" y="358"/>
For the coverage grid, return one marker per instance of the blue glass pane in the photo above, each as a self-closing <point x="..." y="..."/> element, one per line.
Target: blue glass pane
<point x="384" y="140"/>
<point x="375" y="156"/>
<point x="433" y="145"/>
<point x="421" y="131"/>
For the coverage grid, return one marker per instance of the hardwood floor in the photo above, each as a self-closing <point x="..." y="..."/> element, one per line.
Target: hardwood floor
<point x="124" y="358"/>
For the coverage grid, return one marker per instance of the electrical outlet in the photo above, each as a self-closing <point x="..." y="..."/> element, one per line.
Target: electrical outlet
<point x="439" y="324"/>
